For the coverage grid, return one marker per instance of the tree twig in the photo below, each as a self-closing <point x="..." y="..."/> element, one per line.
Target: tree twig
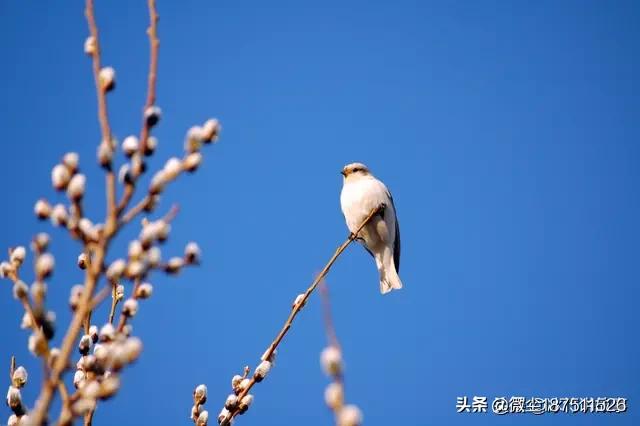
<point x="102" y="108"/>
<point x="327" y="317"/>
<point x="150" y="101"/>
<point x="300" y="304"/>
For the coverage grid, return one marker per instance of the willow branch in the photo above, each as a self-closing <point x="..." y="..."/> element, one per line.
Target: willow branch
<point x="135" y="210"/>
<point x="154" y="45"/>
<point x="330" y="329"/>
<point x="302" y="301"/>
<point x="334" y="394"/>
<point x="102" y="107"/>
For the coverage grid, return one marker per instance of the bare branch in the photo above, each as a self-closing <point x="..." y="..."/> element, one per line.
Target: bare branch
<point x="297" y="307"/>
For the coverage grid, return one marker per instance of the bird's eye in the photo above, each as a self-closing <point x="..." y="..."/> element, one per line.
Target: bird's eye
<point x="357" y="169"/>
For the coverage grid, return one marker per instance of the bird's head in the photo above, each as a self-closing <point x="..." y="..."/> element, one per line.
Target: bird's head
<point x="355" y="170"/>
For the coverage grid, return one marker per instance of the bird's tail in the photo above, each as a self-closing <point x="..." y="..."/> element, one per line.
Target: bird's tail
<point x="389" y="279"/>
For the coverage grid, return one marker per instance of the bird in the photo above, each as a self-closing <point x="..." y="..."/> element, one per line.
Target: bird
<point x="361" y="193"/>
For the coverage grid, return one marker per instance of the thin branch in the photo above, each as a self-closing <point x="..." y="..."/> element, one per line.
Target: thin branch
<point x="99" y="297"/>
<point x="154" y="45"/>
<point x="327" y="317"/>
<point x="300" y="304"/>
<point x="334" y="394"/>
<point x="68" y="342"/>
<point x="102" y="111"/>
<point x="135" y="210"/>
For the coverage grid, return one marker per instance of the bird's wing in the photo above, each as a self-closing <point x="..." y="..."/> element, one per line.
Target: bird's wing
<point x="396" y="248"/>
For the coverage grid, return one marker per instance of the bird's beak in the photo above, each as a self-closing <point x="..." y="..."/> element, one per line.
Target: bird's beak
<point x="343" y="173"/>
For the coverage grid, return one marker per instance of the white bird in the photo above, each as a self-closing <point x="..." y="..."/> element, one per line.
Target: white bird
<point x="361" y="193"/>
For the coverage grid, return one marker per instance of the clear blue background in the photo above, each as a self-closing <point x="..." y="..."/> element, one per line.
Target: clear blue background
<point x="508" y="133"/>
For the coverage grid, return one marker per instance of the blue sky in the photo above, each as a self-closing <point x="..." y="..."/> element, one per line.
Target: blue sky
<point x="507" y="131"/>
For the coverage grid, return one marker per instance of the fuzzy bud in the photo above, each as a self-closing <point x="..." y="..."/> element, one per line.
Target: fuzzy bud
<point x="203" y="418"/>
<point x="17" y="255"/>
<point x="59" y="215"/>
<point x="134" y="269"/>
<point x="116" y="269"/>
<point x="85" y="344"/>
<point x="101" y="352"/>
<point x="44" y="265"/>
<point x="107" y="333"/>
<point x="107" y="78"/>
<point x="152" y="115"/>
<point x="40" y="242"/>
<point x="231" y="402"/>
<point x="82" y="261"/>
<point x="94" y="333"/>
<point x="130" y="308"/>
<point x="132" y="348"/>
<point x="192" y="253"/>
<point x="14" y="400"/>
<point x="92" y="233"/>
<point x="75" y="296"/>
<point x="158" y="181"/>
<point x="6" y="269"/>
<point x="91" y="389"/>
<point x="200" y="395"/>
<point x="224" y="417"/>
<point x="42" y="209"/>
<point x="262" y="370"/>
<point x="154" y="256"/>
<point x="211" y="130"/>
<point x="235" y="383"/>
<point x="298" y="300"/>
<point x="105" y="154"/>
<point x="144" y="291"/>
<point x="71" y="160"/>
<point x="194" y="412"/>
<point x="135" y="250"/>
<point x="350" y="415"/>
<point x="19" y="377"/>
<point x="90" y="46"/>
<point x="172" y="168"/>
<point x="109" y="386"/>
<point x="38" y="290"/>
<point x="331" y="360"/>
<point x="194" y="139"/>
<point x="124" y="174"/>
<point x="37" y="344"/>
<point x="76" y="187"/>
<point x="174" y="265"/>
<point x="60" y="177"/>
<point x="20" y="290"/>
<point x="270" y="356"/>
<point x="151" y="145"/>
<point x="130" y="145"/>
<point x="245" y="403"/>
<point x="334" y="395"/>
<point x="26" y="322"/>
<point x="192" y="161"/>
